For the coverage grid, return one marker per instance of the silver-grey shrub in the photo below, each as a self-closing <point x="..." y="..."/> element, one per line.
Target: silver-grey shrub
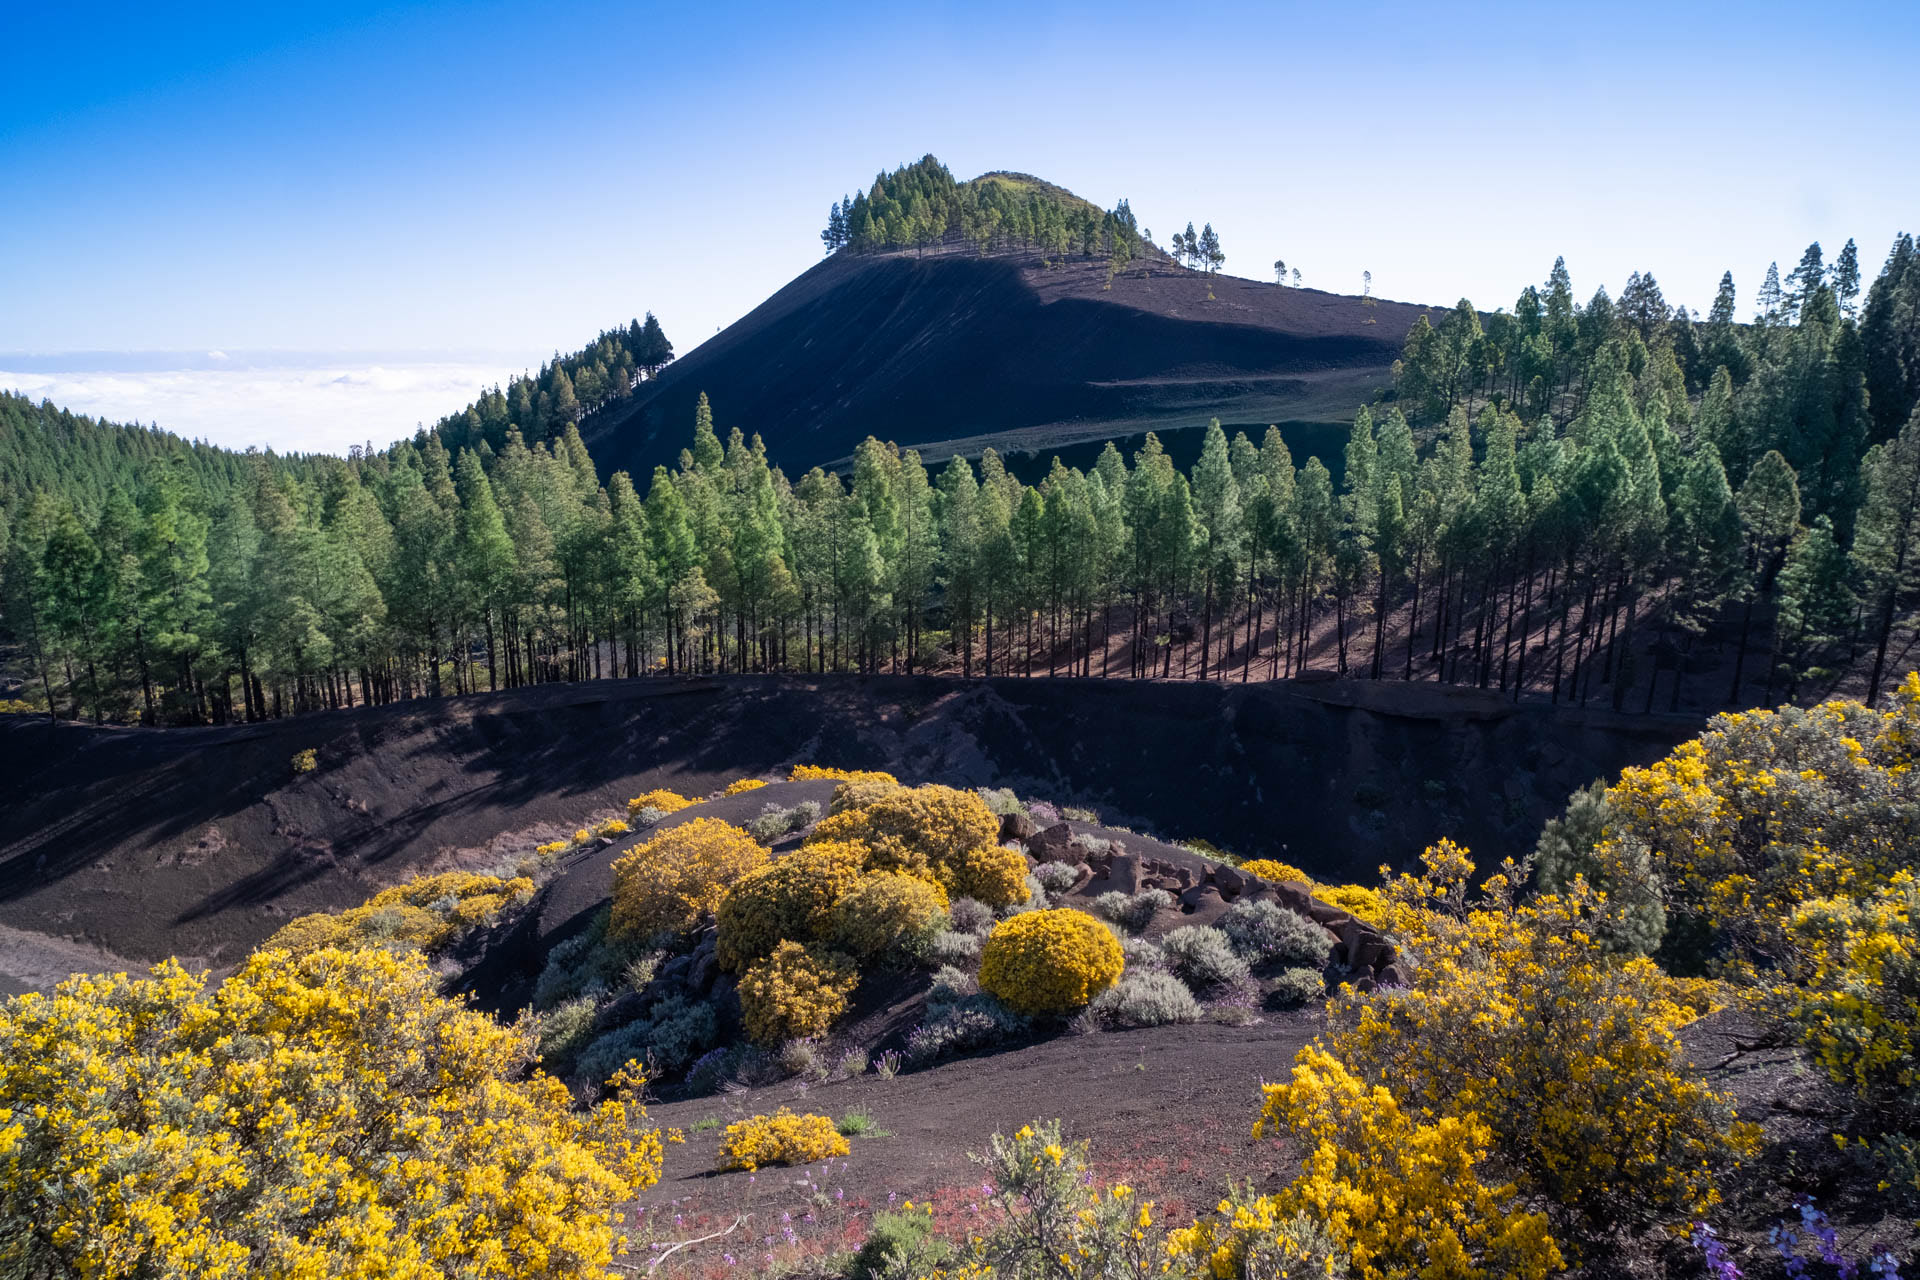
<point x="1132" y="912"/>
<point x="1202" y="958"/>
<point x="1148" y="999"/>
<point x="1266" y="933"/>
<point x="970" y="915"/>
<point x="1056" y="877"/>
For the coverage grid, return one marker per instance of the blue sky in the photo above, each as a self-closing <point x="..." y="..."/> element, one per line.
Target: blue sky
<point x="368" y="209"/>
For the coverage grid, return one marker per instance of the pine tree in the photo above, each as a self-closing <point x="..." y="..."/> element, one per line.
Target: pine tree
<point x="1846" y="279"/>
<point x="1884" y="552"/>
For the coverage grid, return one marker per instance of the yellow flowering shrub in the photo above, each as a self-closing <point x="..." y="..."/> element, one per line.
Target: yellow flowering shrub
<point x="659" y="799"/>
<point x="989" y="873"/>
<point x="428" y="914"/>
<point x="741" y="786"/>
<point x="815" y="773"/>
<point x="781" y="1138"/>
<point x="553" y="848"/>
<point x="611" y="829"/>
<point x="1768" y="810"/>
<point x="1363" y="904"/>
<point x="885" y="913"/>
<point x="320" y="1115"/>
<point x="1399" y="1193"/>
<point x="306" y="761"/>
<point x="1049" y="962"/>
<point x="1859" y="1008"/>
<point x="792" y="899"/>
<point x="795" y="993"/>
<point x="1272" y="869"/>
<point x="936" y="833"/>
<point x="673" y="881"/>
<point x="859" y="794"/>
<point x="1518" y="1017"/>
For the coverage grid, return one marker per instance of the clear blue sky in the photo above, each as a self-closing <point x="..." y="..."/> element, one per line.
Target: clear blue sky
<point x="381" y="185"/>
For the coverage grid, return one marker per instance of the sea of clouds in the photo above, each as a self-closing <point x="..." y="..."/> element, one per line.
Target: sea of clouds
<point x="292" y="402"/>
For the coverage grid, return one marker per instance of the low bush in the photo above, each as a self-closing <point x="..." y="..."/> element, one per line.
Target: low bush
<point x="966" y="1024"/>
<point x="661" y="801"/>
<point x="937" y="833"/>
<point x="814" y="773"/>
<point x="951" y="947"/>
<point x="792" y="899"/>
<point x="674" y="1033"/>
<point x="306" y="761"/>
<point x="802" y="1058"/>
<point x="670" y="883"/>
<point x="1132" y="911"/>
<point x="743" y="785"/>
<point x="1057" y="877"/>
<point x="781" y="1138"/>
<point x="1363" y="904"/>
<point x="858" y="795"/>
<point x="900" y="1244"/>
<point x="950" y="986"/>
<point x="1266" y="933"/>
<point x="1296" y="987"/>
<point x="288" y="1120"/>
<point x="1092" y="846"/>
<point x="1398" y="1193"/>
<point x="795" y="994"/>
<point x="430" y="913"/>
<point x="1275" y="870"/>
<point x="1202" y="958"/>
<point x="1142" y="954"/>
<point x="1001" y="801"/>
<point x="565" y="1030"/>
<point x="888" y="917"/>
<point x="1043" y="814"/>
<point x="775" y="821"/>
<point x="1151" y="998"/>
<point x="1049" y="962"/>
<point x="970" y="915"/>
<point x="611" y="829"/>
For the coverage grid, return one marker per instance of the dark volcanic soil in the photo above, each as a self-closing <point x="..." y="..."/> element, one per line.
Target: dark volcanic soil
<point x="200" y="842"/>
<point x="959" y="351"/>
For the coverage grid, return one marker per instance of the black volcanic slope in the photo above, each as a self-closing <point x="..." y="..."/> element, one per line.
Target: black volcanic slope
<point x="957" y="351"/>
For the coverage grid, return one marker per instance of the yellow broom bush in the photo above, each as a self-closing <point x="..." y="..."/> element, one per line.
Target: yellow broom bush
<point x="660" y="799"/>
<point x="792" y="899"/>
<point x="1049" y="962"/>
<point x="744" y="785"/>
<point x="815" y="773"/>
<point x="781" y="1138"/>
<point x="795" y="993"/>
<point x="1271" y="869"/>
<point x="321" y="1115"/>
<point x="673" y="881"/>
<point x="885" y="913"/>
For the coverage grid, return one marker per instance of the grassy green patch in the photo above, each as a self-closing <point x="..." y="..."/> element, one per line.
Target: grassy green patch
<point x="860" y="1124"/>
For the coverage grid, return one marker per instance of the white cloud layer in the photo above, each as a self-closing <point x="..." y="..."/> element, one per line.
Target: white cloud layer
<point x="306" y="404"/>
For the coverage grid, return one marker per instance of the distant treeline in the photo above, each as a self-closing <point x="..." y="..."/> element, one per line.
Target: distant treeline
<point x="1543" y="499"/>
<point x="920" y="205"/>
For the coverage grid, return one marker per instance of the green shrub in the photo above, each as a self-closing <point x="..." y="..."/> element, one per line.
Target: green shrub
<point x="1295" y="987"/>
<point x="565" y="1029"/>
<point x="1057" y="877"/>
<point x="899" y="1244"/>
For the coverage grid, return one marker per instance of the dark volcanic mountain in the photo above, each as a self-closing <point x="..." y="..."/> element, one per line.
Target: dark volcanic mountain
<point x="951" y="351"/>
